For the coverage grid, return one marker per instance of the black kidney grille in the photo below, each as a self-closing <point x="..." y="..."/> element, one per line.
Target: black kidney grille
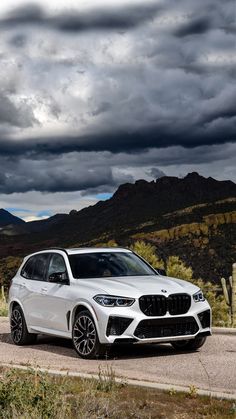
<point x="158" y="305"/>
<point x="159" y="328"/>
<point x="179" y="303"/>
<point x="153" y="305"/>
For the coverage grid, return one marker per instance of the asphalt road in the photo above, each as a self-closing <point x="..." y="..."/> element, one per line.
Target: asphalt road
<point x="212" y="368"/>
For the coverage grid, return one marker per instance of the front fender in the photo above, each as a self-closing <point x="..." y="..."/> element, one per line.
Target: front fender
<point x="91" y="310"/>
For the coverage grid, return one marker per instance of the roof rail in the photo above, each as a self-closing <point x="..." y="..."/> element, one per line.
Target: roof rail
<point x="55" y="248"/>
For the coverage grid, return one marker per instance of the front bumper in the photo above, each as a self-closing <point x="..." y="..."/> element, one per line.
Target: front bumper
<point x="117" y="325"/>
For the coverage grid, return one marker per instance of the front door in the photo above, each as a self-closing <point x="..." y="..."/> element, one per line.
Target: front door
<point x="54" y="298"/>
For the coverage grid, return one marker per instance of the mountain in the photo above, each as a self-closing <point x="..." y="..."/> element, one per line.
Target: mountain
<point x="6" y="218"/>
<point x="192" y="217"/>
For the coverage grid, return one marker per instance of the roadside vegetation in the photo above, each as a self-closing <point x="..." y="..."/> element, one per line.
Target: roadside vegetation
<point x="3" y="303"/>
<point x="36" y="395"/>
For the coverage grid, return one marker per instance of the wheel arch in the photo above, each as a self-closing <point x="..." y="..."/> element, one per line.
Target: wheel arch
<point x="14" y="303"/>
<point x="82" y="306"/>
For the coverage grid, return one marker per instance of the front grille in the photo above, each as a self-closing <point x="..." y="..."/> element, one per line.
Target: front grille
<point x="159" y="328"/>
<point x="205" y="318"/>
<point x="117" y="325"/>
<point x="158" y="305"/>
<point x="153" y="305"/>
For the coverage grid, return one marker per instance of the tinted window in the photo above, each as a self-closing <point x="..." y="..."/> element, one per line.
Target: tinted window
<point x="105" y="264"/>
<point x="28" y="269"/>
<point x="35" y="267"/>
<point x="40" y="265"/>
<point x="56" y="265"/>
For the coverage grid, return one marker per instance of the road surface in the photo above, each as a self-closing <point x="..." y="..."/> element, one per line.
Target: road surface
<point x="212" y="368"/>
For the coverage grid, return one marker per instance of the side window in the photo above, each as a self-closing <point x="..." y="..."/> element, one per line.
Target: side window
<point x="40" y="265"/>
<point x="35" y="267"/>
<point x="28" y="269"/>
<point x="57" y="265"/>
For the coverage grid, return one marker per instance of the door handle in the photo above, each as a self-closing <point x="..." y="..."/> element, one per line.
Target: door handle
<point x="44" y="290"/>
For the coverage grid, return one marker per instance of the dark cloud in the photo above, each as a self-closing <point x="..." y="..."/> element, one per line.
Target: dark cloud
<point x="98" y="172"/>
<point x="18" y="40"/>
<point x="28" y="13"/>
<point x="114" y="18"/>
<point x="62" y="174"/>
<point x="194" y="27"/>
<point x="56" y="179"/>
<point x="217" y="127"/>
<point x="143" y="90"/>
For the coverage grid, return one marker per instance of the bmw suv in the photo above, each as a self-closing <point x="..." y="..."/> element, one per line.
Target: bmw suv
<point x="103" y="296"/>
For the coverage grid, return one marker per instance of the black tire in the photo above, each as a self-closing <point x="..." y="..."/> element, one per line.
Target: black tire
<point x="189" y="345"/>
<point x="85" y="338"/>
<point x="19" y="331"/>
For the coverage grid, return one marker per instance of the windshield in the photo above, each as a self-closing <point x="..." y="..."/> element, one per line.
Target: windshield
<point x="105" y="264"/>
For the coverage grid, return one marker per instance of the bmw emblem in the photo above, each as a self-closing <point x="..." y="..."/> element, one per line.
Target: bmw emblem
<point x="163" y="291"/>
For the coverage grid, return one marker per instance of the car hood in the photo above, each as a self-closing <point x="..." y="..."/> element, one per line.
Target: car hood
<point x="135" y="286"/>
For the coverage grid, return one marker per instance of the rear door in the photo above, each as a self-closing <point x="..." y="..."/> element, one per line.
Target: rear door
<point x="33" y="285"/>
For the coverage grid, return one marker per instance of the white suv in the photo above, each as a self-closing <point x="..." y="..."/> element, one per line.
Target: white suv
<point x="103" y="296"/>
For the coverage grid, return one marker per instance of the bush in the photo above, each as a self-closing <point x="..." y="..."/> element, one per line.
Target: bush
<point x="31" y="394"/>
<point x="177" y="269"/>
<point x="8" y="268"/>
<point x="220" y="310"/>
<point x="148" y="252"/>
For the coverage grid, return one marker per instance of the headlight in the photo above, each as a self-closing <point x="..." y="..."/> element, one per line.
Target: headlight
<point x="113" y="301"/>
<point x="198" y="297"/>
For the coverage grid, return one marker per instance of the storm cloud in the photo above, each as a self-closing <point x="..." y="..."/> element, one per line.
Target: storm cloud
<point x="94" y="97"/>
<point x="111" y="18"/>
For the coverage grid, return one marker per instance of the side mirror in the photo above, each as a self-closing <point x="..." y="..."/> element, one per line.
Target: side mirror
<point x="59" y="278"/>
<point x="161" y="271"/>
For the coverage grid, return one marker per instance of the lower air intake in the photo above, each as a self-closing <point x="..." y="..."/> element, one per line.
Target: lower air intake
<point x="117" y="325"/>
<point x="160" y="328"/>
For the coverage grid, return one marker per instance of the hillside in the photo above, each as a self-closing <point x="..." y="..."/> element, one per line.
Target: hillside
<point x="193" y="217"/>
<point x="6" y="218"/>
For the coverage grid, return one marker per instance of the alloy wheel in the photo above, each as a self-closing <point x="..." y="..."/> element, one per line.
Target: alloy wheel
<point x="16" y="325"/>
<point x="84" y="335"/>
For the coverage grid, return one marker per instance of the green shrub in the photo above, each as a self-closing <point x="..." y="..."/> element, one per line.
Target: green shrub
<point x="220" y="310"/>
<point x="148" y="252"/>
<point x="31" y="394"/>
<point x="177" y="269"/>
<point x="8" y="268"/>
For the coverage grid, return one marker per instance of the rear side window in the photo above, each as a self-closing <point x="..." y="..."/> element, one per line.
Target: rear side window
<point x="28" y="269"/>
<point x="35" y="267"/>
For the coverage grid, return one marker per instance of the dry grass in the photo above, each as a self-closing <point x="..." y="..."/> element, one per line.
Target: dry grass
<point x="3" y="307"/>
<point x="35" y="395"/>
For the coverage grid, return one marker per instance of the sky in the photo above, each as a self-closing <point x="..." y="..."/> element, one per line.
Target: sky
<point x="95" y="93"/>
